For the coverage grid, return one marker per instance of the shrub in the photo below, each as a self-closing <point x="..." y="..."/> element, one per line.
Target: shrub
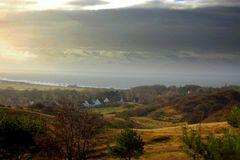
<point x="234" y="117"/>
<point x="192" y="143"/>
<point x="213" y="148"/>
<point x="17" y="134"/>
<point x="128" y="144"/>
<point x="75" y="131"/>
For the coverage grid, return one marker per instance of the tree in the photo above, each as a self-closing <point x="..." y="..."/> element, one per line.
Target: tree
<point x="75" y="130"/>
<point x="17" y="133"/>
<point x="214" y="147"/>
<point x="128" y="144"/>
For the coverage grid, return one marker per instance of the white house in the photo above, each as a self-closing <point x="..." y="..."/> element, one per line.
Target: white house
<point x="121" y="100"/>
<point x="97" y="102"/>
<point x="106" y="100"/>
<point x="86" y="104"/>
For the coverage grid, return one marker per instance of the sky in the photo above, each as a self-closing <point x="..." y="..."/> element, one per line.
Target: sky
<point x="121" y="37"/>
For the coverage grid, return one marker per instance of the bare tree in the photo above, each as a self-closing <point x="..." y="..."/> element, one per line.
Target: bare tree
<point x="75" y="130"/>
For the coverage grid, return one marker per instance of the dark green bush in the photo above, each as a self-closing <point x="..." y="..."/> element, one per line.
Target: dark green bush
<point x="128" y="144"/>
<point x="226" y="147"/>
<point x="234" y="117"/>
<point x="17" y="135"/>
<point x="193" y="143"/>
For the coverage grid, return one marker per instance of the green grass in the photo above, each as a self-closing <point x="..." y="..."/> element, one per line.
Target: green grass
<point x="111" y="110"/>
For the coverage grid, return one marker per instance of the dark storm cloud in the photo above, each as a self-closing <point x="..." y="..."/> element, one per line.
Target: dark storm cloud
<point x="208" y="30"/>
<point x="204" y="39"/>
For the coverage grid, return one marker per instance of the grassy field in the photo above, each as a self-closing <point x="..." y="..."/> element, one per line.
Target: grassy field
<point x="137" y="122"/>
<point x="23" y="111"/>
<point x="171" y="149"/>
<point x="109" y="110"/>
<point x="149" y="123"/>
<point x="112" y="110"/>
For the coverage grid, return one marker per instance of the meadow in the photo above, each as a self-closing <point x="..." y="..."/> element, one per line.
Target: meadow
<point x="169" y="149"/>
<point x="163" y="140"/>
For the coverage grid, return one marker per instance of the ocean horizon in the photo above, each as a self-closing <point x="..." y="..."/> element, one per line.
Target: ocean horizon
<point x="119" y="82"/>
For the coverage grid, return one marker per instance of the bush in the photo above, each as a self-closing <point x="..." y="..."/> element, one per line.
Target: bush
<point x="234" y="117"/>
<point x="129" y="144"/>
<point x="75" y="131"/>
<point x="193" y="143"/>
<point x="213" y="148"/>
<point x="17" y="133"/>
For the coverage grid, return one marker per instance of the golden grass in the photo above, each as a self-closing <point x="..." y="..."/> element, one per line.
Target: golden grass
<point x="169" y="150"/>
<point x="149" y="123"/>
<point x="167" y="113"/>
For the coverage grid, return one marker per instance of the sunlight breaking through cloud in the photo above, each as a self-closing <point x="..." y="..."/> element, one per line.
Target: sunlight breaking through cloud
<point x="110" y="4"/>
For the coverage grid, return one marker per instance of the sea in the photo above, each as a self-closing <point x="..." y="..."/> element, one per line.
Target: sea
<point x="121" y="81"/>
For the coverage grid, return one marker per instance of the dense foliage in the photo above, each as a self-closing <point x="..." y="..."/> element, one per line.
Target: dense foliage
<point x="128" y="144"/>
<point x="214" y="147"/>
<point x="71" y="134"/>
<point x="17" y="135"/>
<point x="233" y="117"/>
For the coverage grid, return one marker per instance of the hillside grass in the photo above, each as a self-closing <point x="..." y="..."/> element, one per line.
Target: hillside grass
<point x="171" y="149"/>
<point x="109" y="110"/>
<point x="156" y="148"/>
<point x="149" y="123"/>
<point x="24" y="111"/>
<point x="115" y="121"/>
<point x="112" y="110"/>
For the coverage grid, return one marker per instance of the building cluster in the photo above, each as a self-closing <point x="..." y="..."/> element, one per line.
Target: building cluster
<point x="101" y="102"/>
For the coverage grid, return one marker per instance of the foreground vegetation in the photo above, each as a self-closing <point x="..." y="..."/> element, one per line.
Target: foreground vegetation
<point x="226" y="146"/>
<point x="128" y="145"/>
<point x="17" y="136"/>
<point x="163" y="142"/>
<point x="69" y="135"/>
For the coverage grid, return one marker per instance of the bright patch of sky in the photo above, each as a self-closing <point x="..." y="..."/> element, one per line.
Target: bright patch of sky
<point x="110" y="4"/>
